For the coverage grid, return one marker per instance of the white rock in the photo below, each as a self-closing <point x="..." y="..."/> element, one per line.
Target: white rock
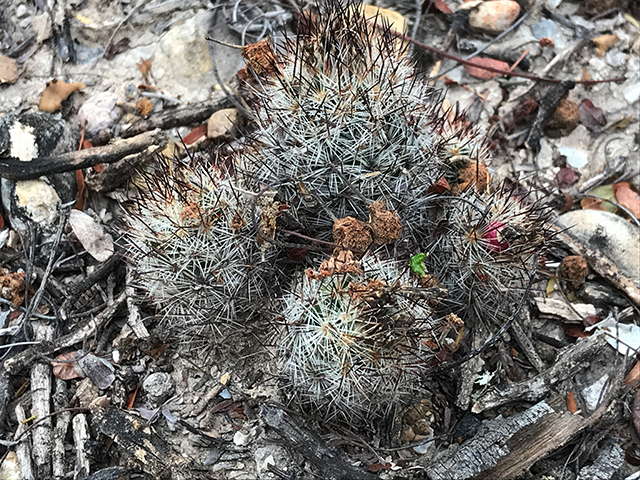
<point x="99" y="112"/>
<point x="241" y="439"/>
<point x="593" y="394"/>
<point x="21" y="11"/>
<point x="576" y="158"/>
<point x="23" y="142"/>
<point x="632" y="93"/>
<point x="270" y="455"/>
<point x="39" y="201"/>
<point x="91" y="235"/>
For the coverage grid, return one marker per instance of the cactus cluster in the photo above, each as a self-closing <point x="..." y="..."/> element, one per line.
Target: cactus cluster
<point x="383" y="189"/>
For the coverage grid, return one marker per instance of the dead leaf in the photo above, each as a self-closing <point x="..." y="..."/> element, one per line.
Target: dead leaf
<point x="437" y="5"/>
<point x="566" y="177"/>
<point x="55" y="93"/>
<point x="144" y="106"/>
<point x="99" y="371"/>
<point x="605" y="192"/>
<point x="551" y="286"/>
<point x="80" y="185"/>
<point x="65" y="366"/>
<point x="572" y="406"/>
<point x="635" y="412"/>
<point x="376" y="467"/>
<point x="633" y="376"/>
<point x="591" y="116"/>
<point x="440" y="186"/>
<point x="91" y="235"/>
<point x="8" y="70"/>
<point x="132" y="398"/>
<point x="586" y="77"/>
<point x="477" y="71"/>
<point x="195" y="134"/>
<point x="115" y="48"/>
<point x="568" y="203"/>
<point x="12" y="286"/>
<point x="575" y="330"/>
<point x="546" y="42"/>
<point x="624" y="122"/>
<point x="604" y="43"/>
<point x="145" y="69"/>
<point x="591" y="320"/>
<point x="627" y="197"/>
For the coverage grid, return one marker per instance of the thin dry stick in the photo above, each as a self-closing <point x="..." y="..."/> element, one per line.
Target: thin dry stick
<point x="40" y="420"/>
<point x="491" y="69"/>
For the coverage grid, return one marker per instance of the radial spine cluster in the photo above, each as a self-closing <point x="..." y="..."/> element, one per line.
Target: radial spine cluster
<point x="185" y="234"/>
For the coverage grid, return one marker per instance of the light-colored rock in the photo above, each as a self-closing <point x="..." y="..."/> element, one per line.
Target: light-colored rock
<point x="593" y="394"/>
<point x="494" y="16"/>
<point x="223" y="124"/>
<point x="99" y="112"/>
<point x="21" y="10"/>
<point x="615" y="237"/>
<point x="10" y="469"/>
<point x="181" y="63"/>
<point x="575" y="158"/>
<point x="91" y="235"/>
<point x="39" y="201"/>
<point x="270" y="455"/>
<point x="240" y="439"/>
<point x="8" y="70"/>
<point x="559" y="309"/>
<point x="158" y="387"/>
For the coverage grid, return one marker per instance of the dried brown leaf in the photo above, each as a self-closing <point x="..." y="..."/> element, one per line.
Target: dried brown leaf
<point x="477" y="71"/>
<point x="65" y="366"/>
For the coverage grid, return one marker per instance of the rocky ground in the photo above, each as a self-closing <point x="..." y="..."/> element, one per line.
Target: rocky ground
<point x="92" y="388"/>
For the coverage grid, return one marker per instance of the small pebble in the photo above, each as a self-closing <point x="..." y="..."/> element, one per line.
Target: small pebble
<point x="575" y="158"/>
<point x="632" y="94"/>
<point x="494" y="16"/>
<point x="158" y="386"/>
<point x="21" y="11"/>
<point x="241" y="439"/>
<point x="593" y="394"/>
<point x="223" y="124"/>
<point x="564" y="119"/>
<point x="544" y="29"/>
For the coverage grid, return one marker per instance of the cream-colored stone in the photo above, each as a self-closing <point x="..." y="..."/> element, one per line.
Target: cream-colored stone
<point x="223" y="124"/>
<point x="8" y="70"/>
<point x="39" y="200"/>
<point x="493" y="16"/>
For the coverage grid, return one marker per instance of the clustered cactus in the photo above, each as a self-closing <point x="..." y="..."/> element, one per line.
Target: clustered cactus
<point x="382" y="188"/>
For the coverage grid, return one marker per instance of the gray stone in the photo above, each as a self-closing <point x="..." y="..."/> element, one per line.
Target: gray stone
<point x="181" y="63"/>
<point x="91" y="235"/>
<point x="158" y="387"/>
<point x="615" y="237"/>
<point x="99" y="112"/>
<point x="41" y="24"/>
